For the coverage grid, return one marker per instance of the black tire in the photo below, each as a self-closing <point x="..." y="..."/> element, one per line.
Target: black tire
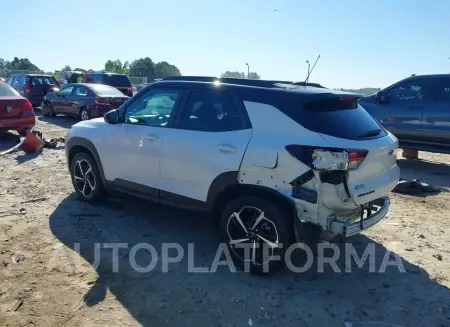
<point x="50" y="112"/>
<point x="276" y="220"/>
<point x="89" y="187"/>
<point x="85" y="114"/>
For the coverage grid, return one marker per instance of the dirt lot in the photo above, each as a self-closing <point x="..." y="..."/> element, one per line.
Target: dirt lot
<point x="41" y="286"/>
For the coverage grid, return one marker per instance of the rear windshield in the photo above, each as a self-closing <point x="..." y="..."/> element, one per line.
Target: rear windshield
<point x="342" y="119"/>
<point x="42" y="80"/>
<point x="7" y="91"/>
<point x="104" y="90"/>
<point x="116" y="80"/>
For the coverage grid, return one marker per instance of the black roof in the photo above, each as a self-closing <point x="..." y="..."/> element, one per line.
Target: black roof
<point x="237" y="81"/>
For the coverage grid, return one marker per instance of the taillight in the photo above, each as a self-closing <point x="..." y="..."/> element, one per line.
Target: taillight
<point x="355" y="158"/>
<point x="27" y="105"/>
<point x="101" y="101"/>
<point x="327" y="158"/>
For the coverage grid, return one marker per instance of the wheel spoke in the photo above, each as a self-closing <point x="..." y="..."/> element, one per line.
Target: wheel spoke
<point x="77" y="178"/>
<point x="92" y="187"/>
<point x="258" y="220"/>
<point x="80" y="168"/>
<point x="239" y="241"/>
<point x="254" y="252"/>
<point x="83" y="191"/>
<point x="236" y="215"/>
<point x="265" y="240"/>
<point x="88" y="171"/>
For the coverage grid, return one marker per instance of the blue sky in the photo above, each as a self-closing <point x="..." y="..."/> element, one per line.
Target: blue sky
<point x="361" y="43"/>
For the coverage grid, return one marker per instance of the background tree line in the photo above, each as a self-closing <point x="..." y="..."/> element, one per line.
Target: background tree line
<point x="142" y="67"/>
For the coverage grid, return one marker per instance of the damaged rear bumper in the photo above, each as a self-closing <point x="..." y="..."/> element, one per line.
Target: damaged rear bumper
<point x="347" y="229"/>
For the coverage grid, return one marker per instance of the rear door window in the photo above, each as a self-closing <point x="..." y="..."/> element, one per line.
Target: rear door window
<point x="116" y="80"/>
<point x="417" y="89"/>
<point x="42" y="80"/>
<point x="443" y="90"/>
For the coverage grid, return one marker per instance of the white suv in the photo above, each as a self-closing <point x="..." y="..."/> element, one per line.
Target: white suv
<point x="275" y="162"/>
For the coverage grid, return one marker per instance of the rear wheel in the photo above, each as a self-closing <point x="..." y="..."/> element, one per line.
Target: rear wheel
<point x="257" y="233"/>
<point x="86" y="178"/>
<point x="84" y="114"/>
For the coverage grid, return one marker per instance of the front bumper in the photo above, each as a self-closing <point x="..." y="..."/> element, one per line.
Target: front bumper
<point x="347" y="229"/>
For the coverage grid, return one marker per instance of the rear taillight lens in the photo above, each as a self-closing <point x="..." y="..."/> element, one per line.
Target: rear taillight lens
<point x="355" y="158"/>
<point x="101" y="101"/>
<point x="324" y="158"/>
<point x="27" y="105"/>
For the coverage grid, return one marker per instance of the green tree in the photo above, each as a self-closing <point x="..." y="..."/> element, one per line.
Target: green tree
<point x="20" y="64"/>
<point x="66" y="68"/>
<point x="163" y="69"/>
<point x="254" y="75"/>
<point x="233" y="74"/>
<point x="143" y="67"/>
<point x="80" y="70"/>
<point x="364" y="90"/>
<point x="116" y="66"/>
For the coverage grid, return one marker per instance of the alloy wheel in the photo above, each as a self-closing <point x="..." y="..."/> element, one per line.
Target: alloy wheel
<point x="84" y="115"/>
<point x="253" y="237"/>
<point x="84" y="178"/>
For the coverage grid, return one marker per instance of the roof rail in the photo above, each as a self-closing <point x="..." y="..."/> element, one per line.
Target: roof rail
<point x="228" y="80"/>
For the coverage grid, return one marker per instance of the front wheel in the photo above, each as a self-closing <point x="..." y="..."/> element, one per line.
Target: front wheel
<point x="47" y="110"/>
<point x="257" y="233"/>
<point x="86" y="178"/>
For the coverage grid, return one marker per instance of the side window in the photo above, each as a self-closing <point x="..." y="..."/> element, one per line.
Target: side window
<point x="153" y="108"/>
<point x="212" y="112"/>
<point x="66" y="90"/>
<point x="80" y="91"/>
<point x="19" y="82"/>
<point x="443" y="90"/>
<point x="416" y="89"/>
<point x="9" y="80"/>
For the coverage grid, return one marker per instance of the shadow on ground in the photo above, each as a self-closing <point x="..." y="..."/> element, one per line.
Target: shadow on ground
<point x="430" y="172"/>
<point x="179" y="298"/>
<point x="62" y="121"/>
<point x="8" y="140"/>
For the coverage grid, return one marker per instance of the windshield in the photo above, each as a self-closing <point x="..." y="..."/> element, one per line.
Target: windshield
<point x="105" y="90"/>
<point x="7" y="91"/>
<point x="116" y="80"/>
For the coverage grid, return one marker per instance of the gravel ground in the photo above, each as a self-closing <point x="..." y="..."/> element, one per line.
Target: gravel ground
<point x="44" y="282"/>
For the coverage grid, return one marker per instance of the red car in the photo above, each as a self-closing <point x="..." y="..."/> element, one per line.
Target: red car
<point x="16" y="112"/>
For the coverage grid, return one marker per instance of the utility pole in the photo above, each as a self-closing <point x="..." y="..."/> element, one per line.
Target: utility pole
<point x="248" y="70"/>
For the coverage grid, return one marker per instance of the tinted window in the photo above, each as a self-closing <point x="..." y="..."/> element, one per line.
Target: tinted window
<point x="19" y="82"/>
<point x="411" y="90"/>
<point x="66" y="90"/>
<point x="9" y="80"/>
<point x="105" y="90"/>
<point x="153" y="108"/>
<point x="7" y="91"/>
<point x="80" y="91"/>
<point x="212" y="112"/>
<point x="342" y="119"/>
<point x="116" y="80"/>
<point x="42" y="80"/>
<point x="443" y="90"/>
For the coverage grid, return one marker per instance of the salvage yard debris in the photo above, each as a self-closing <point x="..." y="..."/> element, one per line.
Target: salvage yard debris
<point x="33" y="142"/>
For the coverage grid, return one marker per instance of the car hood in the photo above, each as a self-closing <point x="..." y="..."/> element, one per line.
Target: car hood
<point x="93" y="123"/>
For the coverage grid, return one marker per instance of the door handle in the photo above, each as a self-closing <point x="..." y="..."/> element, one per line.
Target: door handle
<point x="226" y="148"/>
<point x="152" y="137"/>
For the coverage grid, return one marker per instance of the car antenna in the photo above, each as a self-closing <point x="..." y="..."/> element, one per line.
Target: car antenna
<point x="309" y="72"/>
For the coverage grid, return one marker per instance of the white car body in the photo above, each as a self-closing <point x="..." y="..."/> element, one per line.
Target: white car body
<point x="188" y="162"/>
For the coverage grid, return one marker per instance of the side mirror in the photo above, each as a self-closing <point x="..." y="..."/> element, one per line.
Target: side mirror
<point x="112" y="116"/>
